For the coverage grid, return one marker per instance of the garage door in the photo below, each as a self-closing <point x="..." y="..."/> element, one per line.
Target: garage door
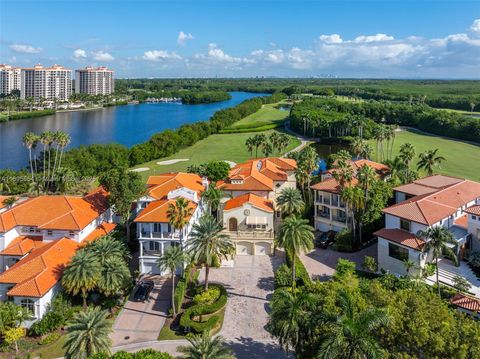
<point x="150" y="268"/>
<point x="244" y="248"/>
<point x="263" y="248"/>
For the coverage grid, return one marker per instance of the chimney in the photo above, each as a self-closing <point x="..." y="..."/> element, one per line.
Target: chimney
<point x="205" y="182"/>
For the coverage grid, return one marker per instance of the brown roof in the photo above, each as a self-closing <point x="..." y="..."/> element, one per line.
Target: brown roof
<point x="430" y="208"/>
<point x="466" y="302"/>
<point x="56" y="212"/>
<point x="258" y="174"/>
<point x="254" y="200"/>
<point x="102" y="230"/>
<point x="402" y="237"/>
<point x="381" y="169"/>
<point x="156" y="211"/>
<point x="462" y="221"/>
<point x="428" y="185"/>
<point x="331" y="185"/>
<point x="475" y="209"/>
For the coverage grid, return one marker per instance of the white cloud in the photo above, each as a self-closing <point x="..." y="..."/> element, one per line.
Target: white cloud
<point x="102" y="56"/>
<point x="331" y="39"/>
<point x="160" y="55"/>
<point x="216" y="55"/>
<point x="476" y="26"/>
<point x="373" y="38"/>
<point x="25" y="49"/>
<point x="183" y="37"/>
<point x="79" y="54"/>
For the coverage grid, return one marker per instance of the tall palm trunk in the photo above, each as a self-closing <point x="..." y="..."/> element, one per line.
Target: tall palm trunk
<point x="436" y="269"/>
<point x="84" y="298"/>
<point x="174" y="307"/>
<point x="293" y="274"/>
<point x="30" y="159"/>
<point x="54" y="163"/>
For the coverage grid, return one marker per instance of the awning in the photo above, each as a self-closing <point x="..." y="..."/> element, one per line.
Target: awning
<point x="256" y="220"/>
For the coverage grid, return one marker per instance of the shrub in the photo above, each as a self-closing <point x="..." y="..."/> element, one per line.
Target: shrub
<point x="179" y="293"/>
<point x="461" y="284"/>
<point x="50" y="322"/>
<point x="207" y="296"/>
<point x="300" y="271"/>
<point x="369" y="263"/>
<point x="186" y="320"/>
<point x="283" y="276"/>
<point x="344" y="241"/>
<point x="151" y="354"/>
<point x="474" y="259"/>
<point x="50" y="338"/>
<point x="344" y="266"/>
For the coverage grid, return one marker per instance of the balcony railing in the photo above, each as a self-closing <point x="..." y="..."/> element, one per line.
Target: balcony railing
<point x="326" y="200"/>
<point x="323" y="214"/>
<point x="149" y="252"/>
<point x="159" y="235"/>
<point x="335" y="202"/>
<point x="341" y="219"/>
<point x="249" y="234"/>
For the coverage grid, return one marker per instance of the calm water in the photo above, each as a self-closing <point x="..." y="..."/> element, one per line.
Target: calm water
<point x="128" y="125"/>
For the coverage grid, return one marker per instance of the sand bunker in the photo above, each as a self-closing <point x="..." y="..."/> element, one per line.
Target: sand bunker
<point x="171" y="162"/>
<point x="141" y="169"/>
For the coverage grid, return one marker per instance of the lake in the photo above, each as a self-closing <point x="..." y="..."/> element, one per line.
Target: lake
<point x="127" y="125"/>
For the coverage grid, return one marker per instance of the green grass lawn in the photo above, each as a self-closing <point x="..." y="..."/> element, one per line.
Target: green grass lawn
<point x="268" y="115"/>
<point x="221" y="147"/>
<point x="467" y="113"/>
<point x="462" y="159"/>
<point x="53" y="350"/>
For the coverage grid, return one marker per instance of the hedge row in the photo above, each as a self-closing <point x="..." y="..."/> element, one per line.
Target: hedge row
<point x="26" y="114"/>
<point x="252" y="129"/>
<point x="186" y="320"/>
<point x="300" y="270"/>
<point x="141" y="354"/>
<point x="179" y="294"/>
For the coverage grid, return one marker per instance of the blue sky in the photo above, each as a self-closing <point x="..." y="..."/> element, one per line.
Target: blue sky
<point x="397" y="39"/>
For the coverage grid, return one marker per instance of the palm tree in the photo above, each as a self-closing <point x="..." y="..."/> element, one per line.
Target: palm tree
<point x="107" y="247"/>
<point x="437" y="239"/>
<point x="114" y="276"/>
<point x="407" y="154"/>
<point x="82" y="274"/>
<point x="275" y="141"/>
<point x="173" y="258"/>
<point x="290" y="201"/>
<point x="63" y="141"/>
<point x="212" y="197"/>
<point x="179" y="213"/>
<point x="250" y="144"/>
<point x="354" y="201"/>
<point x="408" y="264"/>
<point x="343" y="172"/>
<point x="205" y="347"/>
<point x="9" y="201"/>
<point x="207" y="244"/>
<point x="288" y="316"/>
<point x="429" y="160"/>
<point x="358" y="145"/>
<point x="45" y="141"/>
<point x="29" y="141"/>
<point x="87" y="334"/>
<point x="352" y="333"/>
<point x="259" y="140"/>
<point x="296" y="235"/>
<point x="267" y="148"/>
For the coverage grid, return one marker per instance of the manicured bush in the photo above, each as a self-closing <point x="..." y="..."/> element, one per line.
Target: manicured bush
<point x="344" y="241"/>
<point x="50" y="322"/>
<point x="50" y="338"/>
<point x="151" y="354"/>
<point x="283" y="276"/>
<point x="187" y="321"/>
<point x="179" y="294"/>
<point x="207" y="296"/>
<point x="301" y="273"/>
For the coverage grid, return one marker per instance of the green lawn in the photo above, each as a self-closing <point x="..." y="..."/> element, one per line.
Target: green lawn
<point x="268" y="115"/>
<point x="462" y="159"/>
<point x="53" y="350"/>
<point x="467" y="113"/>
<point x="221" y="147"/>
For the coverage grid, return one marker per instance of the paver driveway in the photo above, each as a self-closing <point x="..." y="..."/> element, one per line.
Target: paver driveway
<point x="141" y="321"/>
<point x="250" y="286"/>
<point x="320" y="263"/>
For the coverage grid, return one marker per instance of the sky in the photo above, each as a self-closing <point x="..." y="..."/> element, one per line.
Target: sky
<point x="229" y="38"/>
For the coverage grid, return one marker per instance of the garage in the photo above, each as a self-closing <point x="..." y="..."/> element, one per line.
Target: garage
<point x="150" y="268"/>
<point x="244" y="248"/>
<point x="263" y="248"/>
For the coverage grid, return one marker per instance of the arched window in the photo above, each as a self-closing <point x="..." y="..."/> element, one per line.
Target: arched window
<point x="29" y="305"/>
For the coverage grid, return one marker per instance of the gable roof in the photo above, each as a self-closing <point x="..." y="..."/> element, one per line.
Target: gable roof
<point x="258" y="174"/>
<point x="402" y="237"/>
<point x="432" y="207"/>
<point x="256" y="201"/>
<point x="466" y="302"/>
<point x="56" y="212"/>
<point x="381" y="169"/>
<point x="160" y="185"/>
<point x="427" y="185"/>
<point x="35" y="274"/>
<point x="475" y="209"/>
<point x="157" y="211"/>
<point x="21" y="245"/>
<point x="331" y="185"/>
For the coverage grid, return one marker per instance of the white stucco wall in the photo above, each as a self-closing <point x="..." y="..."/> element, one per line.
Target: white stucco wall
<point x="394" y="265"/>
<point x="239" y="214"/>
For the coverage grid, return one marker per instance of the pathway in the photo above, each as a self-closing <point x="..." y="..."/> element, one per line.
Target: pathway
<point x="304" y="141"/>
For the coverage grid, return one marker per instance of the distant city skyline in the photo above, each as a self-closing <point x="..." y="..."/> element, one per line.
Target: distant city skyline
<point x="360" y="39"/>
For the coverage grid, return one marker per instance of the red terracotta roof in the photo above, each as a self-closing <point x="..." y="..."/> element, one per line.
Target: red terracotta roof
<point x="475" y="210"/>
<point x="56" y="212"/>
<point x="462" y="221"/>
<point x="254" y="200"/>
<point x="427" y="185"/>
<point x="402" y="237"/>
<point x="156" y="211"/>
<point x="35" y="274"/>
<point x="331" y="185"/>
<point x="159" y="186"/>
<point x="102" y="230"/>
<point x="431" y="208"/>
<point x="466" y="302"/>
<point x="381" y="169"/>
<point x="258" y="174"/>
<point x="21" y="245"/>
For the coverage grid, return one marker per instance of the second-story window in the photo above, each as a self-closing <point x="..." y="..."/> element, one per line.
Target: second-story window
<point x="405" y="225"/>
<point x="49" y="233"/>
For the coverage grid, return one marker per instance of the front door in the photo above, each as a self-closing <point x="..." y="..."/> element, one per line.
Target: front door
<point x="232" y="224"/>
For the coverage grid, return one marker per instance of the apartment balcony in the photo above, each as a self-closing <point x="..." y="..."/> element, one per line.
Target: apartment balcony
<point x="158" y="235"/>
<point x="326" y="200"/>
<point x="323" y="214"/>
<point x="335" y="202"/>
<point x="341" y="219"/>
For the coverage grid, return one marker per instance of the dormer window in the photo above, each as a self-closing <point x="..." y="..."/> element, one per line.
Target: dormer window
<point x="71" y="234"/>
<point x="49" y="232"/>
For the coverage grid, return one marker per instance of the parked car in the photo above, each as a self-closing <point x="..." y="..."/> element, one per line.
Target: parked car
<point x="143" y="291"/>
<point x="323" y="239"/>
